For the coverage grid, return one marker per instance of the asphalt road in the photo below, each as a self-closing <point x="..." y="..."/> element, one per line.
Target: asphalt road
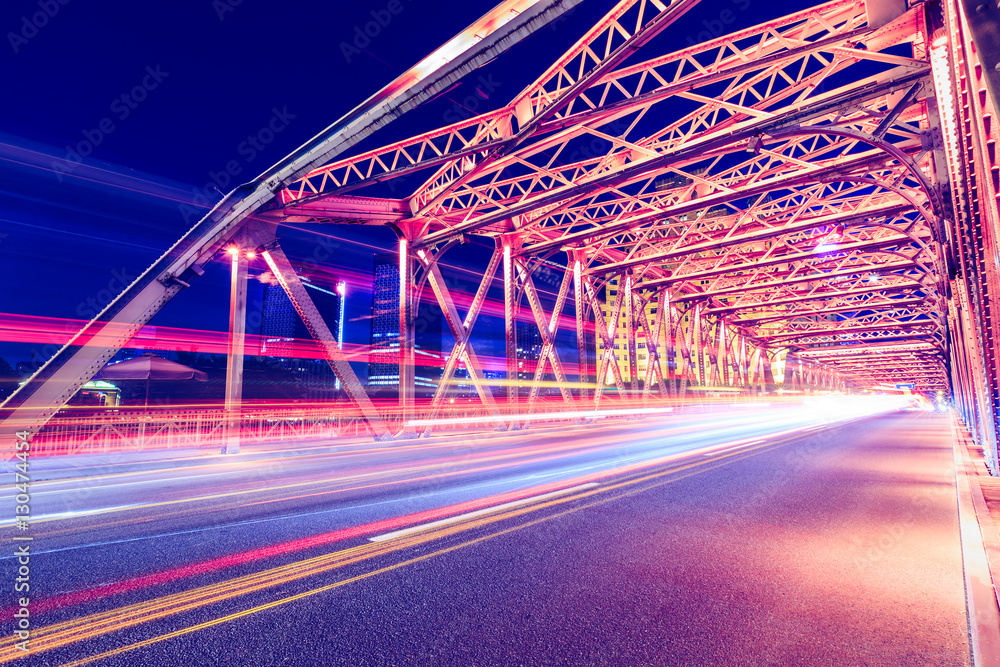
<point x="743" y="539"/>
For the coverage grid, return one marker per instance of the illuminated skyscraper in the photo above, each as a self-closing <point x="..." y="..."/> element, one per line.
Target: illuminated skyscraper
<point x="383" y="360"/>
<point x="529" y="351"/>
<point x="281" y="326"/>
<point x="618" y="332"/>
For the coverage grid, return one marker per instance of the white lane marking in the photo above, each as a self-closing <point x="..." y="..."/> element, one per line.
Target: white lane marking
<point x="248" y="522"/>
<point x="65" y="515"/>
<point x="95" y="487"/>
<point x="472" y="515"/>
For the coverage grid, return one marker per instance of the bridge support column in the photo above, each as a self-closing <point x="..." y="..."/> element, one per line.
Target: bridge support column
<point x="234" y="352"/>
<point x="698" y="353"/>
<point x="686" y="372"/>
<point x="407" y="342"/>
<point x="630" y="333"/>
<point x="767" y="371"/>
<point x="510" y="326"/>
<point x="580" y="300"/>
<point x="722" y="355"/>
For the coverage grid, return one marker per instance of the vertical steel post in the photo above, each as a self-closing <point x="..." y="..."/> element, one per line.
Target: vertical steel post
<point x="744" y="374"/>
<point x="754" y="372"/>
<point x="633" y="366"/>
<point x="766" y="371"/>
<point x="510" y="326"/>
<point x="667" y="335"/>
<point x="583" y="375"/>
<point x="407" y="343"/>
<point x="722" y="354"/>
<point x="688" y="373"/>
<point x="698" y="352"/>
<point x="234" y="352"/>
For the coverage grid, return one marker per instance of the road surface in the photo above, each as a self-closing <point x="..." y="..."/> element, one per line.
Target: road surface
<point x="761" y="537"/>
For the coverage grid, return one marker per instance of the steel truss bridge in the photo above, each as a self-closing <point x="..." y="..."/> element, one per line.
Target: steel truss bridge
<point x="822" y="186"/>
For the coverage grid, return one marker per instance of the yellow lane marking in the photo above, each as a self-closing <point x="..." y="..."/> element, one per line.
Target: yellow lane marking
<point x="424" y="527"/>
<point x="61" y="634"/>
<point x="406" y="542"/>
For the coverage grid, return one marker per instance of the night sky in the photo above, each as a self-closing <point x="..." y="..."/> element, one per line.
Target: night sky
<point x="119" y="117"/>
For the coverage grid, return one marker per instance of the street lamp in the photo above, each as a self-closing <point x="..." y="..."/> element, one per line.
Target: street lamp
<point x="239" y="262"/>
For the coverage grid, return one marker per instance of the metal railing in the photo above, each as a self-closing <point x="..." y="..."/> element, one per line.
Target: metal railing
<point x="115" y="430"/>
<point x="82" y="431"/>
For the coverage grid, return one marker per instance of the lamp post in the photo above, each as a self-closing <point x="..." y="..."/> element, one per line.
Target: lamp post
<point x="239" y="261"/>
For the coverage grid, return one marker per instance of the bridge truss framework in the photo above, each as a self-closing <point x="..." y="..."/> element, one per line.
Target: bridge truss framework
<point x="820" y="188"/>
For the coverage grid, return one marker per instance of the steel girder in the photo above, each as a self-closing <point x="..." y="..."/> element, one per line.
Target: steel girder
<point x="968" y="118"/>
<point x="238" y="215"/>
<point x="758" y="185"/>
<point x="783" y="214"/>
<point x="285" y="273"/>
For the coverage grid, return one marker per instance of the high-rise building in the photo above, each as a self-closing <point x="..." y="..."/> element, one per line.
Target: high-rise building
<point x="278" y="324"/>
<point x="529" y="352"/>
<point x="281" y="326"/>
<point x="383" y="355"/>
<point x="619" y="336"/>
<point x="383" y="359"/>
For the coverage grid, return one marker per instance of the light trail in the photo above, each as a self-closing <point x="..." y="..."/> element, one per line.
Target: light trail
<point x="396" y="534"/>
<point x="515" y="456"/>
<point x="670" y="440"/>
<point x="94" y="625"/>
<point x="545" y="416"/>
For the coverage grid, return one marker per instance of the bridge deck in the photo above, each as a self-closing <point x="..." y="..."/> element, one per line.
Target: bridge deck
<point x="640" y="543"/>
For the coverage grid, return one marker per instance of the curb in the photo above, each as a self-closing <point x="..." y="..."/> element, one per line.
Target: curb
<point x="980" y="552"/>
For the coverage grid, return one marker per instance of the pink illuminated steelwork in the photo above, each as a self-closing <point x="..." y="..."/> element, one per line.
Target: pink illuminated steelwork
<point x="820" y="216"/>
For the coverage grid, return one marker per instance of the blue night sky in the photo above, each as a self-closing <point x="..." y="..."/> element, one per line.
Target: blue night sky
<point x="118" y="116"/>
